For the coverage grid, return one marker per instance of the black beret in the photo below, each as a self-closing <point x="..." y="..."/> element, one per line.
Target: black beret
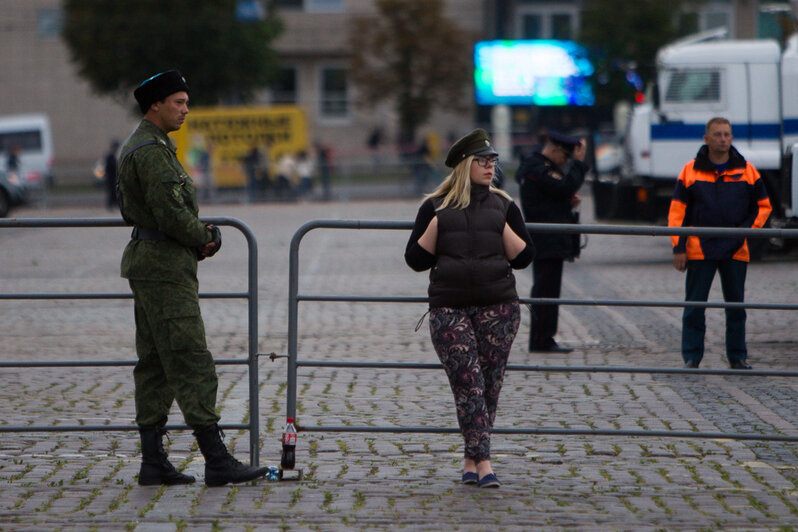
<point x="566" y="142"/>
<point x="475" y="143"/>
<point x="159" y="87"/>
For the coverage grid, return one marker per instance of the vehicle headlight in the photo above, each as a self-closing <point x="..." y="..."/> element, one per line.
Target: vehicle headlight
<point x="14" y="180"/>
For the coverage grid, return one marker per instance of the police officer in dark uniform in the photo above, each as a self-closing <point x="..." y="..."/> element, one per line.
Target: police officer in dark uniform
<point x="160" y="262"/>
<point x="548" y="195"/>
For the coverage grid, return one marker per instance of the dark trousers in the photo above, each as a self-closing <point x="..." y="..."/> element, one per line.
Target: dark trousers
<point x="547" y="278"/>
<point x="700" y="274"/>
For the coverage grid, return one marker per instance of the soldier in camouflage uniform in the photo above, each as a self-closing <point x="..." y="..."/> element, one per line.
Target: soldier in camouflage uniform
<point x="160" y="262"/>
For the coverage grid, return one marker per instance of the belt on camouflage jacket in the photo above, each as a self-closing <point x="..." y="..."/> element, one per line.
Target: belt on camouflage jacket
<point x="142" y="233"/>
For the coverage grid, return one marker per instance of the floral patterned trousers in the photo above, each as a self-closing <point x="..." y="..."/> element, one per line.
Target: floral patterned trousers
<point x="473" y="344"/>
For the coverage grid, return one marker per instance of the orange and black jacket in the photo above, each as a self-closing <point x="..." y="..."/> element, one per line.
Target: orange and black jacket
<point x="705" y="197"/>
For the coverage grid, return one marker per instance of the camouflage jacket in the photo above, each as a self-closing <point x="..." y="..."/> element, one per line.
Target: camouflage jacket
<point x="156" y="193"/>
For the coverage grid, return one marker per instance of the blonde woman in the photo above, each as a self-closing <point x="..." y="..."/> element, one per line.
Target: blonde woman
<point x="471" y="235"/>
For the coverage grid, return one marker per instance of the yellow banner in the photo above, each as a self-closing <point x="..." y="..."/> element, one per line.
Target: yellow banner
<point x="215" y="140"/>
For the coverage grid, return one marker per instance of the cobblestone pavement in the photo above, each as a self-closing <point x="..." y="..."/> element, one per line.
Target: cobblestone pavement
<point x="86" y="481"/>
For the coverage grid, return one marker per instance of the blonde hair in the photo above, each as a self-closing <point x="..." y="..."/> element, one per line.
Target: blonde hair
<point x="456" y="187"/>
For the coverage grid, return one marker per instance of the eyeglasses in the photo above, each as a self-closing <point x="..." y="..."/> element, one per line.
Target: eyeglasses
<point x="486" y="162"/>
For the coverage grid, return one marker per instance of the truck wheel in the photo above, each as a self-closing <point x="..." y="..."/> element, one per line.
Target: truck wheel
<point x="5" y="203"/>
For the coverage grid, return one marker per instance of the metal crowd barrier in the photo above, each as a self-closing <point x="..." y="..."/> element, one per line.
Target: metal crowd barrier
<point x="294" y="297"/>
<point x="251" y="295"/>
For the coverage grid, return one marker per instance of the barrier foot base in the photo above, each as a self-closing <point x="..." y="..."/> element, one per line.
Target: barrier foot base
<point x="293" y="474"/>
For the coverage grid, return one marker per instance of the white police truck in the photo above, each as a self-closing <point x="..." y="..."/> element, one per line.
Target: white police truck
<point x="753" y="83"/>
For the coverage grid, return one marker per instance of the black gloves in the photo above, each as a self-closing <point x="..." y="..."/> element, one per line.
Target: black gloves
<point x="216" y="239"/>
<point x="207" y="250"/>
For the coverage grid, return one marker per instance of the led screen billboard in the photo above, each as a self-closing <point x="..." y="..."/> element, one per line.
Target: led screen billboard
<point x="540" y="72"/>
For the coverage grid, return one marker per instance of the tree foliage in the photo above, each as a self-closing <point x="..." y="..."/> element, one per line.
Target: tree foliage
<point x="116" y="45"/>
<point x="410" y="54"/>
<point x="623" y="35"/>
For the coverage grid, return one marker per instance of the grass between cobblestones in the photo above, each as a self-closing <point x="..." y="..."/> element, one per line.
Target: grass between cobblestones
<point x="396" y="481"/>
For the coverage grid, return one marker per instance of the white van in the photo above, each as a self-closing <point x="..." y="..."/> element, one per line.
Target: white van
<point x="31" y="134"/>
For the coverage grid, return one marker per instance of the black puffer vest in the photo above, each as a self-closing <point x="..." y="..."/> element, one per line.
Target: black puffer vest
<point x="472" y="268"/>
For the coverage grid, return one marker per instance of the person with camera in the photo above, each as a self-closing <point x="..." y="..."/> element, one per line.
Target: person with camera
<point x="549" y="188"/>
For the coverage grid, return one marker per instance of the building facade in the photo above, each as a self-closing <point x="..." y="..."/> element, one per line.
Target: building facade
<point x="37" y="75"/>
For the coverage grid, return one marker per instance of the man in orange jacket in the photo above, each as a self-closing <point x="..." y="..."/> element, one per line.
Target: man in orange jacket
<point x="718" y="188"/>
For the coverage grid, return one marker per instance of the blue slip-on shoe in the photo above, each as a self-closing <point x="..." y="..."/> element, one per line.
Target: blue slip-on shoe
<point x="470" y="478"/>
<point x="489" y="481"/>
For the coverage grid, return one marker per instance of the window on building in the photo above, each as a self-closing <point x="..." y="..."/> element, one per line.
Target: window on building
<point x="714" y="20"/>
<point x="313" y="6"/>
<point x="250" y="11"/>
<point x="334" y="97"/>
<point x="49" y="22"/>
<point x="561" y="27"/>
<point x="693" y="86"/>
<point x="707" y="15"/>
<point x="688" y="23"/>
<point x="324" y="6"/>
<point x="284" y="86"/>
<point x="531" y="27"/>
<point x="547" y="20"/>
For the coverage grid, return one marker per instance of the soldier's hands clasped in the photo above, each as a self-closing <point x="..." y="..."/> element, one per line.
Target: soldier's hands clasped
<point x="211" y="248"/>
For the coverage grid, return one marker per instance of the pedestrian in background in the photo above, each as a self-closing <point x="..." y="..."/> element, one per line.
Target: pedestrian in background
<point x="423" y="165"/>
<point x="286" y="175"/>
<point x="373" y="143"/>
<point x="470" y="235"/>
<point x="199" y="160"/>
<point x="160" y="262"/>
<point x="13" y="162"/>
<point x="718" y="188"/>
<point x="304" y="170"/>
<point x="110" y="174"/>
<point x="252" y="162"/>
<point x="324" y="157"/>
<point x="549" y="188"/>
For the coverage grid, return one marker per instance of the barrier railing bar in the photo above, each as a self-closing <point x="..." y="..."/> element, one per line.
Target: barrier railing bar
<point x="116" y="295"/>
<point x="294" y="297"/>
<point x="76" y="222"/>
<point x="103" y="363"/>
<point x="650" y="230"/>
<point x="252" y="309"/>
<point x="556" y="369"/>
<point x="102" y="428"/>
<point x="561" y="432"/>
<point x="644" y="230"/>
<point x="564" y="301"/>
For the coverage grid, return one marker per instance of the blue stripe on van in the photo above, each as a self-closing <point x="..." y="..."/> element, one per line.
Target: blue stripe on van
<point x="677" y="131"/>
<point x="681" y="131"/>
<point x="791" y="126"/>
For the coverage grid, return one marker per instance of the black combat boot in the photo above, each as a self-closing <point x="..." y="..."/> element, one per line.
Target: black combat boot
<point x="155" y="467"/>
<point x="220" y="466"/>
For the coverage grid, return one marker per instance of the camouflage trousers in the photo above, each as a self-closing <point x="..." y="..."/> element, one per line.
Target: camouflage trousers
<point x="173" y="359"/>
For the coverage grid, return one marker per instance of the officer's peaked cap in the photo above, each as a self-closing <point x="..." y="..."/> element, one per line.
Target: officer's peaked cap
<point x="475" y="143"/>
<point x="566" y="142"/>
<point x="159" y="87"/>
